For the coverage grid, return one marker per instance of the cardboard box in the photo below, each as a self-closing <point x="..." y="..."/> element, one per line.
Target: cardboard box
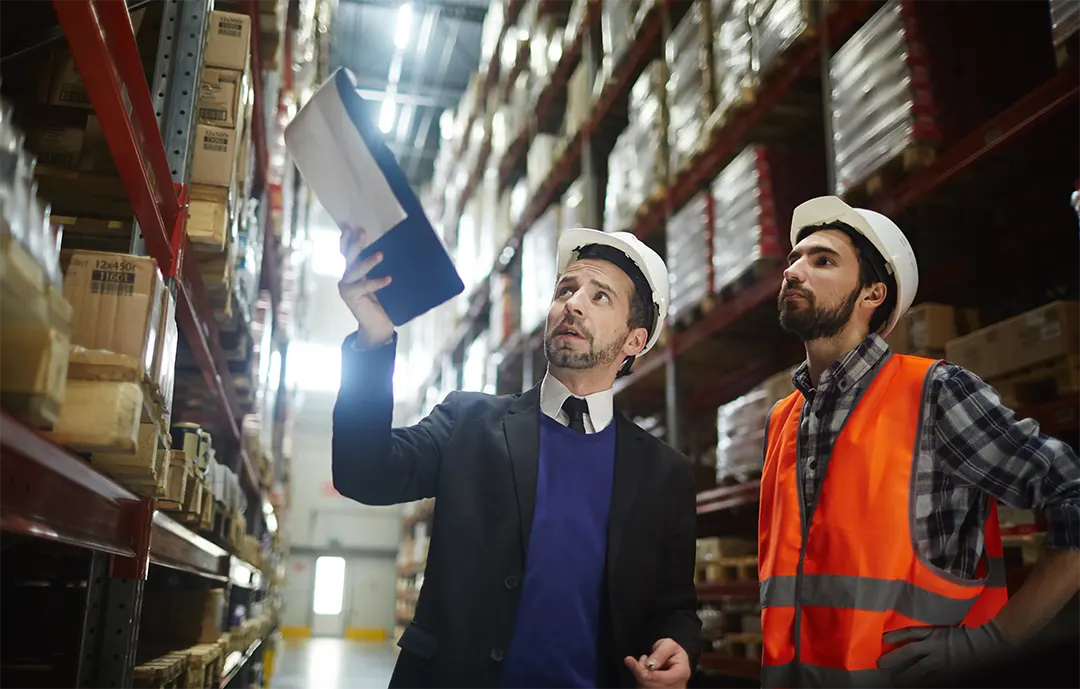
<point x="214" y="162"/>
<point x="208" y="217"/>
<point x="96" y="154"/>
<point x="59" y="145"/>
<point x="1038" y="336"/>
<point x="183" y="618"/>
<point x="66" y="86"/>
<point x="927" y="328"/>
<point x="116" y="299"/>
<point x="100" y="417"/>
<point x="229" y="43"/>
<point x="33" y="371"/>
<point x="220" y="97"/>
<point x="778" y="386"/>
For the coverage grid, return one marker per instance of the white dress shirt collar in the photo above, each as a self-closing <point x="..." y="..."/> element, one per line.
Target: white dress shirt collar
<point x="601" y="404"/>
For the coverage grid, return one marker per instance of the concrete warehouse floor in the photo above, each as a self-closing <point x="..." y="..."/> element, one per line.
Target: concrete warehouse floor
<point x="333" y="664"/>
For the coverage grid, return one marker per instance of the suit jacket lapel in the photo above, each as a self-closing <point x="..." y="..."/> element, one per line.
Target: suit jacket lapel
<point x="521" y="425"/>
<point x="629" y="470"/>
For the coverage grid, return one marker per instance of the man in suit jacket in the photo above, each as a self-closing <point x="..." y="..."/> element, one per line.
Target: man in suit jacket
<point x="563" y="545"/>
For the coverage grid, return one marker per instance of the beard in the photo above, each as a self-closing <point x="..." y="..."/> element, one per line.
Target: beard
<point x="564" y="357"/>
<point x="815" y="322"/>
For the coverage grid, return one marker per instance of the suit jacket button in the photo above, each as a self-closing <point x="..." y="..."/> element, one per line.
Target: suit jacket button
<point x="497" y="655"/>
<point x="511" y="582"/>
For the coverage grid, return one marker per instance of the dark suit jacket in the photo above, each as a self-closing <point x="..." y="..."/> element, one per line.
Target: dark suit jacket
<point x="478" y="455"/>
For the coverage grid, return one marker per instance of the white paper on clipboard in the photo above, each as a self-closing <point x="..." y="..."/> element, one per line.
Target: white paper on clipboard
<point x="336" y="163"/>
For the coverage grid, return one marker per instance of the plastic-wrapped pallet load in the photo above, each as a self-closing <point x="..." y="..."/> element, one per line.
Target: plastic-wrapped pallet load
<point x="753" y="198"/>
<point x="649" y="124"/>
<point x="881" y="101"/>
<point x="689" y="86"/>
<point x="474" y="367"/>
<point x="737" y="236"/>
<point x="740" y="430"/>
<point x="777" y="24"/>
<point x="539" y="268"/>
<point x="1064" y="19"/>
<point x="576" y="204"/>
<point x="619" y="205"/>
<point x="734" y="65"/>
<point x="688" y="255"/>
<point x="617" y="32"/>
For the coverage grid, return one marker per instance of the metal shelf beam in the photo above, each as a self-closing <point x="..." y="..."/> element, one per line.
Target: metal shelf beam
<point x="102" y="43"/>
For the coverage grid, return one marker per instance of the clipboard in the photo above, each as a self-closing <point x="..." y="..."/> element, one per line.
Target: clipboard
<point x="344" y="159"/>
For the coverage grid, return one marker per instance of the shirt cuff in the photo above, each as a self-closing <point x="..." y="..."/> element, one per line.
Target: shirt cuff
<point x="1062" y="527"/>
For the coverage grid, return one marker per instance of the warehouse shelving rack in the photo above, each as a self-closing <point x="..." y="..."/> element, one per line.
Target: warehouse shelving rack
<point x="51" y="495"/>
<point x="805" y="59"/>
<point x="732" y="509"/>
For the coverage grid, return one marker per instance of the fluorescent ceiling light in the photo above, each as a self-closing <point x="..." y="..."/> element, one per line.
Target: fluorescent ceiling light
<point x="404" y="121"/>
<point x="404" y="26"/>
<point x="386" y="116"/>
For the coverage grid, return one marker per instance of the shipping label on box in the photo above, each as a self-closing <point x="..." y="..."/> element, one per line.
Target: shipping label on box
<point x="66" y="85"/>
<point x="220" y="96"/>
<point x="229" y="42"/>
<point x="59" y="145"/>
<point x="116" y="300"/>
<point x="215" y="156"/>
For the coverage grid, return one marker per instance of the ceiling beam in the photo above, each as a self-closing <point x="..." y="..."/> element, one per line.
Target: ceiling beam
<point x="408" y="94"/>
<point x="461" y="11"/>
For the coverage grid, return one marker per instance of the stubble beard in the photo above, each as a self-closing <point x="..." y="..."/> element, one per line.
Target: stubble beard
<point x="566" y="358"/>
<point x="814" y="322"/>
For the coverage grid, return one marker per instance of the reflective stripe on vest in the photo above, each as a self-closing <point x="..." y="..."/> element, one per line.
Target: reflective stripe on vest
<point x="806" y="675"/>
<point x="837" y="574"/>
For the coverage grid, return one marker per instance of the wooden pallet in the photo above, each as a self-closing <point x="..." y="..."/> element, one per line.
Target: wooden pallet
<point x="167" y="672"/>
<point x="203" y="668"/>
<point x="730" y="569"/>
<point x="184" y="496"/>
<point x="915" y="157"/>
<point x="1044" y="382"/>
<point x="146" y="472"/>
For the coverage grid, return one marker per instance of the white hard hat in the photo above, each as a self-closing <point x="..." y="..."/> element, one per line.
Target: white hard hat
<point x="882" y="232"/>
<point x="647" y="260"/>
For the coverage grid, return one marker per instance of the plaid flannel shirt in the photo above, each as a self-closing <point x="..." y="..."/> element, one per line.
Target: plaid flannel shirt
<point x="972" y="446"/>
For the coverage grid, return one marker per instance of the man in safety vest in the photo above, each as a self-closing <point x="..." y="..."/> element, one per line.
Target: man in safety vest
<point x="879" y="547"/>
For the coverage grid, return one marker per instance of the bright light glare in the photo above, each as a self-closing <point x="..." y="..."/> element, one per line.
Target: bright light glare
<point x="326" y="257"/>
<point x="329" y="585"/>
<point x="314" y="367"/>
<point x="386" y="116"/>
<point x="404" y="26"/>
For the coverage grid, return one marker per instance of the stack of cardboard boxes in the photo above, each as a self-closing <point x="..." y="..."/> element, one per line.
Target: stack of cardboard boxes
<point x="220" y="166"/>
<point x="118" y="399"/>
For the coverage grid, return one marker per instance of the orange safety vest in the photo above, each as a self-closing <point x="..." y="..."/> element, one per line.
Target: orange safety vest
<point x="830" y="590"/>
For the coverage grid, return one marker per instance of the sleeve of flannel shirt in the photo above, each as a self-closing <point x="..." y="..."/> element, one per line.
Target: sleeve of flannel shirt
<point x="988" y="446"/>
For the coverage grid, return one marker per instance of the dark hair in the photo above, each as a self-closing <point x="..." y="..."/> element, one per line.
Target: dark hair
<point x="871" y="268"/>
<point x="640" y="313"/>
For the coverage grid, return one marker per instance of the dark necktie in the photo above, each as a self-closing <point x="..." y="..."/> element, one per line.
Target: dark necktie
<point x="576" y="409"/>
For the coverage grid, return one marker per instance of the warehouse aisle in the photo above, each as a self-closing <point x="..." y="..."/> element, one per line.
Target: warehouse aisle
<point x="333" y="664"/>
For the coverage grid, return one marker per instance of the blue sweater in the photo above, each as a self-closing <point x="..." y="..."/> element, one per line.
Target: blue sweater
<point x="558" y="627"/>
